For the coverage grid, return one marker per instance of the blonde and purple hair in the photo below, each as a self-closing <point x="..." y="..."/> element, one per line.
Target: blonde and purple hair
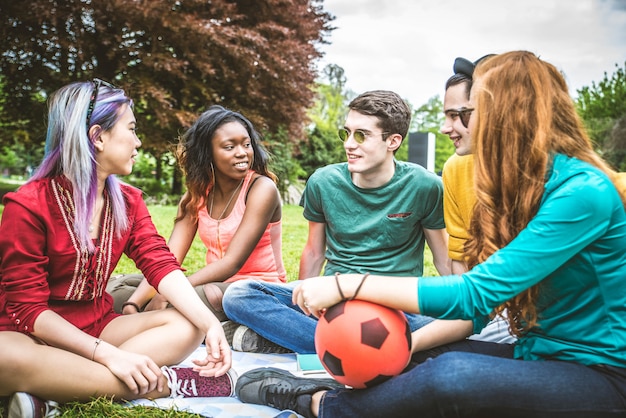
<point x="70" y="148"/>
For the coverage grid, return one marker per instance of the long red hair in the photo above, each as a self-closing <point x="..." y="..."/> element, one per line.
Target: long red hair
<point x="524" y="115"/>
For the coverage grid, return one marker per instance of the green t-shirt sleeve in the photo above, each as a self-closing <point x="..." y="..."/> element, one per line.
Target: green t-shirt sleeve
<point x="311" y="201"/>
<point x="433" y="212"/>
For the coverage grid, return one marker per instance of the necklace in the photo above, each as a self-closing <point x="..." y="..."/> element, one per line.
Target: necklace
<point x="219" y="241"/>
<point x="227" y="204"/>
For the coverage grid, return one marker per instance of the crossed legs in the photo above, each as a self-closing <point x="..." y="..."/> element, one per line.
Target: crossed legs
<point x="51" y="373"/>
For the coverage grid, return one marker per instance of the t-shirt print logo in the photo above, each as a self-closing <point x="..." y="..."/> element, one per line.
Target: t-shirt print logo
<point x="399" y="215"/>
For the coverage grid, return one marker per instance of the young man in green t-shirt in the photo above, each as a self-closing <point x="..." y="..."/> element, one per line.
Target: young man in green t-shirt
<point x="371" y="214"/>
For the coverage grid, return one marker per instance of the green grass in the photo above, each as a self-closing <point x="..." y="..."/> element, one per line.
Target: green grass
<point x="103" y="407"/>
<point x="295" y="229"/>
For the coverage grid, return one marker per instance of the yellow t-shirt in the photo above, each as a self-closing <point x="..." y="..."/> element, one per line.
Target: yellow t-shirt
<point x="458" y="202"/>
<point x="620" y="184"/>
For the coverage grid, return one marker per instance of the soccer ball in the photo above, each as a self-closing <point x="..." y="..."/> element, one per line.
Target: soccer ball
<point x="362" y="344"/>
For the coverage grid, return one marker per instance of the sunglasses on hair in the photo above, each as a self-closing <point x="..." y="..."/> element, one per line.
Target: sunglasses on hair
<point x="463" y="114"/>
<point x="466" y="67"/>
<point x="359" y="136"/>
<point x="94" y="95"/>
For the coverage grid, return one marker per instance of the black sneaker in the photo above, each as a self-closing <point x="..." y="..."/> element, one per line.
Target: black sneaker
<point x="248" y="341"/>
<point x="229" y="328"/>
<point x="280" y="389"/>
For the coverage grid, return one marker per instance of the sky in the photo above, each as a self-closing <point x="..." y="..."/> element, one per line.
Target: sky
<point x="409" y="46"/>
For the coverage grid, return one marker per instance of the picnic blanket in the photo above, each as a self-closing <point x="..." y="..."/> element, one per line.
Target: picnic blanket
<point x="231" y="407"/>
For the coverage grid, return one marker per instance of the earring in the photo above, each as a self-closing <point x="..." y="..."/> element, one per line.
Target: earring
<point x="212" y="172"/>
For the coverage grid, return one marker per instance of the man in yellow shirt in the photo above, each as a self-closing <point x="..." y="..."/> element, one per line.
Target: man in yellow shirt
<point x="458" y="181"/>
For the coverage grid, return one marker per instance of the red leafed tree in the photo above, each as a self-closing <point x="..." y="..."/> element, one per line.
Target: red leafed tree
<point x="174" y="58"/>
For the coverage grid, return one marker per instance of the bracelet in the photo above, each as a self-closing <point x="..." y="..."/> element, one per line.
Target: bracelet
<point x="93" y="353"/>
<point x="360" y="284"/>
<point x="131" y="304"/>
<point x="343" y="298"/>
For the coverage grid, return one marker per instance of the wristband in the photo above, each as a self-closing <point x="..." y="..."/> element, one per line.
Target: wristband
<point x="360" y="284"/>
<point x="131" y="304"/>
<point x="343" y="298"/>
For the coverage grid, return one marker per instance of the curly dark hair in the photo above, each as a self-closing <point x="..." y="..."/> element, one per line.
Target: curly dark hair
<point x="195" y="155"/>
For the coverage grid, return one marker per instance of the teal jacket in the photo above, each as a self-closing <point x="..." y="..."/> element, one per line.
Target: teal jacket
<point x="575" y="247"/>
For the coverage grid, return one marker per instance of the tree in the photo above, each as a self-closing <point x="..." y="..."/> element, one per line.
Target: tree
<point x="174" y="58"/>
<point x="603" y="109"/>
<point x="429" y="118"/>
<point x="616" y="146"/>
<point x="282" y="162"/>
<point x="606" y="98"/>
<point x="327" y="115"/>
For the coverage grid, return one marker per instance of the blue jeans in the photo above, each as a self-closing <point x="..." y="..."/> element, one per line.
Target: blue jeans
<point x="266" y="308"/>
<point x="468" y="384"/>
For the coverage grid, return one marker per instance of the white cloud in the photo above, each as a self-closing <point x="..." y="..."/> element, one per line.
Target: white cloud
<point x="410" y="46"/>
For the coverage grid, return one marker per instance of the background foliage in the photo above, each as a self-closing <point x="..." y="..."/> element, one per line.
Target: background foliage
<point x="176" y="57"/>
<point x="603" y="109"/>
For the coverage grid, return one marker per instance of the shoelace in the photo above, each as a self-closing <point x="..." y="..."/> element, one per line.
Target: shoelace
<point x="282" y="397"/>
<point x="52" y="409"/>
<point x="179" y="387"/>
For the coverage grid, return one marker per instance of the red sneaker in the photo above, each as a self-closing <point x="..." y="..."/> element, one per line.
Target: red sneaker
<point x="184" y="382"/>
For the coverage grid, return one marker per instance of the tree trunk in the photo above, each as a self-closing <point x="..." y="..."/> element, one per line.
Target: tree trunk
<point x="158" y="174"/>
<point x="177" y="183"/>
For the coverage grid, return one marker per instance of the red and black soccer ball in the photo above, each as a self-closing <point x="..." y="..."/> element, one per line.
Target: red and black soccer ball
<point x="362" y="344"/>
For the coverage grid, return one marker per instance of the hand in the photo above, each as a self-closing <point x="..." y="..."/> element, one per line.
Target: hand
<point x="156" y="303"/>
<point x="138" y="372"/>
<point x="316" y="294"/>
<point x="219" y="357"/>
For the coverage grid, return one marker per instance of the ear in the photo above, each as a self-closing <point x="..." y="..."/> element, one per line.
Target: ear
<point x="394" y="142"/>
<point x="95" y="133"/>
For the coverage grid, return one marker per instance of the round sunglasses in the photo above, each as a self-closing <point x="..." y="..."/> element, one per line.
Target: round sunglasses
<point x="359" y="136"/>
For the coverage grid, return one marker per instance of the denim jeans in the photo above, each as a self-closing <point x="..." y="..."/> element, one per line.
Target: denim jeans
<point x="266" y="308"/>
<point x="468" y="384"/>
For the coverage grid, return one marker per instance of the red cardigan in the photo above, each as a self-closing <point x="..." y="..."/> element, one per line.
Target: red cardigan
<point x="42" y="265"/>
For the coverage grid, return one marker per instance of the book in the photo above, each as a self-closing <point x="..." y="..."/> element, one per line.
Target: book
<point x="309" y="362"/>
